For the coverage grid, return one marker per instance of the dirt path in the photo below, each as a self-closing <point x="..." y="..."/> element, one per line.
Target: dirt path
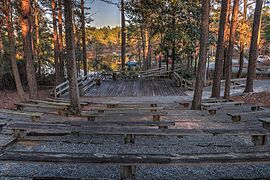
<point x="9" y="98"/>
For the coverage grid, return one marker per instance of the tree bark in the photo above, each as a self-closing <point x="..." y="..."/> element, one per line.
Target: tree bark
<point x="241" y="60"/>
<point x="12" y="51"/>
<point x="149" y="49"/>
<point x="28" y="51"/>
<point x="83" y="39"/>
<point x="55" y="45"/>
<point x="220" y="50"/>
<point x="253" y="52"/>
<point x="143" y="47"/>
<point x="60" y="42"/>
<point x="37" y="49"/>
<point x="123" y="35"/>
<point x="228" y="72"/>
<point x="197" y="98"/>
<point x="242" y="44"/>
<point x="71" y="62"/>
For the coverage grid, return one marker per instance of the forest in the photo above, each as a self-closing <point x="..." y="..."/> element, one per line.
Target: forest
<point x="174" y="89"/>
<point x="165" y="30"/>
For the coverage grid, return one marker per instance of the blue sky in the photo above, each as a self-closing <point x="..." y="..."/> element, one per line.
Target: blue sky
<point x="104" y="14"/>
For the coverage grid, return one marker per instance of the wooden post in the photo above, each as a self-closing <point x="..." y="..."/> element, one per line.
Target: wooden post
<point x="259" y="140"/>
<point x="266" y="125"/>
<point x="18" y="133"/>
<point x="128" y="172"/>
<point x="129" y="138"/>
<point x="156" y="117"/>
<point x="236" y="118"/>
<point x="35" y="118"/>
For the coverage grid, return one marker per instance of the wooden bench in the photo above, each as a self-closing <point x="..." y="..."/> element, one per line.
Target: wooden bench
<point x="222" y="104"/>
<point x="265" y="122"/>
<point x="258" y="136"/>
<point x="103" y="109"/>
<point x="60" y="108"/>
<point x="91" y="116"/>
<point x="256" y="107"/>
<point x="236" y="117"/>
<point x="214" y="100"/>
<point x="212" y="110"/>
<point x="83" y="103"/>
<point x="185" y="104"/>
<point x="35" y="117"/>
<point x="160" y="124"/>
<point x="129" y="162"/>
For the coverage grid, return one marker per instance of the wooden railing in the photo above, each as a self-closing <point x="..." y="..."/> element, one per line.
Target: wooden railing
<point x="182" y="82"/>
<point x="84" y="83"/>
<point x="158" y="73"/>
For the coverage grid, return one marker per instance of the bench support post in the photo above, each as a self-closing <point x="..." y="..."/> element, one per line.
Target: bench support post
<point x="156" y="117"/>
<point x="236" y="118"/>
<point x="18" y="133"/>
<point x="259" y="140"/>
<point x="266" y="125"/>
<point x="91" y="118"/>
<point x="129" y="138"/>
<point x="153" y="105"/>
<point x="35" y="118"/>
<point x="128" y="172"/>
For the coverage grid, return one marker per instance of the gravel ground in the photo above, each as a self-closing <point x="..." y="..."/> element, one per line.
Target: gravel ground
<point x="186" y="119"/>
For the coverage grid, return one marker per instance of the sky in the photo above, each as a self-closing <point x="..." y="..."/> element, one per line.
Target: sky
<point x="104" y="14"/>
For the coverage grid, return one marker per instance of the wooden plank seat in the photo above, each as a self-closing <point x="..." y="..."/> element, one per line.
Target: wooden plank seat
<point x="185" y="104"/>
<point x="256" y="107"/>
<point x="91" y="116"/>
<point x="103" y="109"/>
<point x="35" y="116"/>
<point x="214" y="100"/>
<point x="161" y="125"/>
<point x="222" y="104"/>
<point x="212" y="110"/>
<point x="138" y="159"/>
<point x="265" y="122"/>
<point x="121" y="104"/>
<point x="60" y="108"/>
<point x="236" y="117"/>
<point x="50" y="103"/>
<point x="259" y="136"/>
<point x="83" y="103"/>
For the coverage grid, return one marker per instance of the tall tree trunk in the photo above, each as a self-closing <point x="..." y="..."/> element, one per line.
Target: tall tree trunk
<point x="19" y="87"/>
<point x="149" y="48"/>
<point x="123" y="35"/>
<point x="1" y="54"/>
<point x="37" y="49"/>
<point x="241" y="60"/>
<point x="28" y="52"/>
<point x="253" y="52"/>
<point x="242" y="44"/>
<point x="83" y="39"/>
<point x="71" y="62"/>
<point x="146" y="35"/>
<point x="139" y="54"/>
<point x="220" y="49"/>
<point x="167" y="59"/>
<point x="55" y="45"/>
<point x="228" y="72"/>
<point x="197" y="98"/>
<point x="195" y="63"/>
<point x="143" y="47"/>
<point x="60" y="42"/>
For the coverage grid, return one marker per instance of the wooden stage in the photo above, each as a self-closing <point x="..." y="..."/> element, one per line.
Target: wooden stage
<point x="136" y="88"/>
